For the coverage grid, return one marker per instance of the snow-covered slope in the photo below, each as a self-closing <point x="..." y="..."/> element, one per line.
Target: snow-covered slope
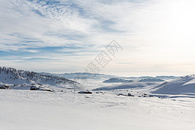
<point x="20" y="79"/>
<point x="182" y="85"/>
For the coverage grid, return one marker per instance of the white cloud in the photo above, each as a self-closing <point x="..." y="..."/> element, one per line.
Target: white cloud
<point x="155" y="32"/>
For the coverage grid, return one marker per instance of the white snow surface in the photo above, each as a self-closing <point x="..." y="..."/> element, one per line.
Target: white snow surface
<point x="38" y="110"/>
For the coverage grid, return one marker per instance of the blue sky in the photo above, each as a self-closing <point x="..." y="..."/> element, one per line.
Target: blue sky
<point x="64" y="36"/>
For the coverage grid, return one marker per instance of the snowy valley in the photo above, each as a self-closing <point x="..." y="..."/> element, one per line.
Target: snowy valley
<point x="137" y="103"/>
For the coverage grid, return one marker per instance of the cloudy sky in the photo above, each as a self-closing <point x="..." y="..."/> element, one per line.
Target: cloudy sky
<point x="157" y="36"/>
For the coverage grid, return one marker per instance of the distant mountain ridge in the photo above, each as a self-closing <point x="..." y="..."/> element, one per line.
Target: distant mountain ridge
<point x="151" y="80"/>
<point x="80" y="75"/>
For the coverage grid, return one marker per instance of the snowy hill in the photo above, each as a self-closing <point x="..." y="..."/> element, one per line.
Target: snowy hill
<point x="182" y="85"/>
<point x="20" y="79"/>
<point x="117" y="80"/>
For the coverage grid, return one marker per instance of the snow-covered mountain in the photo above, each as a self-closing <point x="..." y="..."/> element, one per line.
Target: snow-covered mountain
<point x="182" y="85"/>
<point x="20" y="79"/>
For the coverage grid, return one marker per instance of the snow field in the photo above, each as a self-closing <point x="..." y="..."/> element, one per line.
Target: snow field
<point x="23" y="109"/>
